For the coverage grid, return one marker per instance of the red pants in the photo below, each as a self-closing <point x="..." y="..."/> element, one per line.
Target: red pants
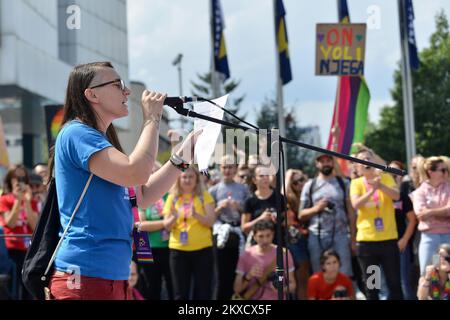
<point x="88" y="289"/>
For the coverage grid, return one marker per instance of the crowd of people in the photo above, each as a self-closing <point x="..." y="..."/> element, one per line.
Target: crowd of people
<point x="368" y="235"/>
<point x="217" y="239"/>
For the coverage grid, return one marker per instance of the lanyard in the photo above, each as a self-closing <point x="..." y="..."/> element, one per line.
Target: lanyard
<point x="142" y="246"/>
<point x="375" y="196"/>
<point x="133" y="201"/>
<point x="187" y="208"/>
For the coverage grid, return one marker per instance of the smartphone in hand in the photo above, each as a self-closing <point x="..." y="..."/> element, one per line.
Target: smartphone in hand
<point x="436" y="261"/>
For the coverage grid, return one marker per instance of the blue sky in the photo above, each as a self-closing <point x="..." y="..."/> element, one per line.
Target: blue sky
<point x="160" y="29"/>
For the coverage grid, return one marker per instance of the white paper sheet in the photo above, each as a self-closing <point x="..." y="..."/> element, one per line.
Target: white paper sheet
<point x="206" y="143"/>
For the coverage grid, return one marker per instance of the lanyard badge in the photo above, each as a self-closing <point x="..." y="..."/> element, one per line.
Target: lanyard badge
<point x="141" y="241"/>
<point x="187" y="209"/>
<point x="378" y="221"/>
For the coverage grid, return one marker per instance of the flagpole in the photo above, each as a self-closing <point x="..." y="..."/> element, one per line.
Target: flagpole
<point x="215" y="86"/>
<point x="280" y="102"/>
<point x="408" y="104"/>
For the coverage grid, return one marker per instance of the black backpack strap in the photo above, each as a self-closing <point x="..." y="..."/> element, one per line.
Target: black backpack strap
<point x="311" y="190"/>
<point x="342" y="185"/>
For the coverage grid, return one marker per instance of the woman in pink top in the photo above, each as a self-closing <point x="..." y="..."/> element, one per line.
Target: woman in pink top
<point x="432" y="206"/>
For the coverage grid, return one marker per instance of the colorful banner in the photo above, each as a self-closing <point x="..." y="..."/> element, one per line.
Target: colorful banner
<point x="340" y="49"/>
<point x="53" y="119"/>
<point x="352" y="103"/>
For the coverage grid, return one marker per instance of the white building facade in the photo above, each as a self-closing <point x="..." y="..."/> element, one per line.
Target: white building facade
<point x="40" y="42"/>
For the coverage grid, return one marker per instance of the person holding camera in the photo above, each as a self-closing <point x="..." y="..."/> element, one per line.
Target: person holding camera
<point x="297" y="232"/>
<point x="261" y="205"/>
<point x="330" y="284"/>
<point x="325" y="205"/>
<point x="18" y="216"/>
<point x="373" y="195"/>
<point x="435" y="284"/>
<point x="255" y="271"/>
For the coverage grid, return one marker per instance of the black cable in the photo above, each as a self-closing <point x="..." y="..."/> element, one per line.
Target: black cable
<point x="231" y="114"/>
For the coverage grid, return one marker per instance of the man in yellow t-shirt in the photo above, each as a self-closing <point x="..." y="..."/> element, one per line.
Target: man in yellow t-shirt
<point x="372" y="195"/>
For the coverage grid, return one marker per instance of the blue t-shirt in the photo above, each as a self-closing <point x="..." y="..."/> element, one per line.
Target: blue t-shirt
<point x="99" y="241"/>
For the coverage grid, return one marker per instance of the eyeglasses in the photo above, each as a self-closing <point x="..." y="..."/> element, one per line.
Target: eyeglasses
<point x="298" y="181"/>
<point x="231" y="167"/>
<point x="122" y="84"/>
<point x="443" y="170"/>
<point x="244" y="176"/>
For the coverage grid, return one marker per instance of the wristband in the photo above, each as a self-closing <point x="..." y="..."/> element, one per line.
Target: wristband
<point x="179" y="162"/>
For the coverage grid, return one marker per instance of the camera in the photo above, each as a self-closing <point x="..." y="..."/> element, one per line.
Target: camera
<point x="330" y="207"/>
<point x="21" y="181"/>
<point x="273" y="212"/>
<point x="272" y="277"/>
<point x="341" y="293"/>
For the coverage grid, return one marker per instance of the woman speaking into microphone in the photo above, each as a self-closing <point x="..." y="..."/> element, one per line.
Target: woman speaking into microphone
<point x="98" y="244"/>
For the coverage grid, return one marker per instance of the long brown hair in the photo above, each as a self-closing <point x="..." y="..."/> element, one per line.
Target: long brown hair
<point x="77" y="106"/>
<point x="292" y="197"/>
<point x="11" y="174"/>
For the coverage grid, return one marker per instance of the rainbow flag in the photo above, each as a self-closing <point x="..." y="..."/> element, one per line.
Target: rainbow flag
<point x="354" y="96"/>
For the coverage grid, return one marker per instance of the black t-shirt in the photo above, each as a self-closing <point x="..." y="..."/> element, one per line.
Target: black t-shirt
<point x="402" y="207"/>
<point x="256" y="206"/>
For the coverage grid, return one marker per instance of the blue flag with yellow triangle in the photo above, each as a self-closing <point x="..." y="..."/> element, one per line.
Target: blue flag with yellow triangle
<point x="282" y="42"/>
<point x="220" y="50"/>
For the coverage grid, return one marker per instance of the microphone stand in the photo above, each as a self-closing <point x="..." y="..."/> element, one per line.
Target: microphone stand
<point x="280" y="267"/>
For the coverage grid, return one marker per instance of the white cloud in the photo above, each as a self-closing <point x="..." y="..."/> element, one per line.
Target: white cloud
<point x="160" y="29"/>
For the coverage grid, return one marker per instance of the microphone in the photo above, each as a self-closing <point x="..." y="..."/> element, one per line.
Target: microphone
<point x="175" y="102"/>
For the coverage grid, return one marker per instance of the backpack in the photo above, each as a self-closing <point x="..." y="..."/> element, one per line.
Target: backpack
<point x="38" y="264"/>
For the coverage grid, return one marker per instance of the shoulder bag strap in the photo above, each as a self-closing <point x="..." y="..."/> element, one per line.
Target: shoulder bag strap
<point x="68" y="225"/>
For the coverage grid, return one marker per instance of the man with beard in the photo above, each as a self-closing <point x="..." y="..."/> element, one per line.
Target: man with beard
<point x="325" y="204"/>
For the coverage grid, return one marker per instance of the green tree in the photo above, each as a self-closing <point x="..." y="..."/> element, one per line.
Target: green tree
<point x="267" y="118"/>
<point x="203" y="88"/>
<point x="431" y="94"/>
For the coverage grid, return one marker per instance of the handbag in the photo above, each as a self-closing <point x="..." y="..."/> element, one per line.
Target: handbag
<point x="45" y="243"/>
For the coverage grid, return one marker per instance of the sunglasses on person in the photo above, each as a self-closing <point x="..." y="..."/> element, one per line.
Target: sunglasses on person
<point x="298" y="181"/>
<point x="118" y="81"/>
<point x="443" y="170"/>
<point x="244" y="176"/>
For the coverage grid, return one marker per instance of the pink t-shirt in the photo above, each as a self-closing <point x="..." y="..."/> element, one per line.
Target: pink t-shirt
<point x="429" y="197"/>
<point x="250" y="257"/>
